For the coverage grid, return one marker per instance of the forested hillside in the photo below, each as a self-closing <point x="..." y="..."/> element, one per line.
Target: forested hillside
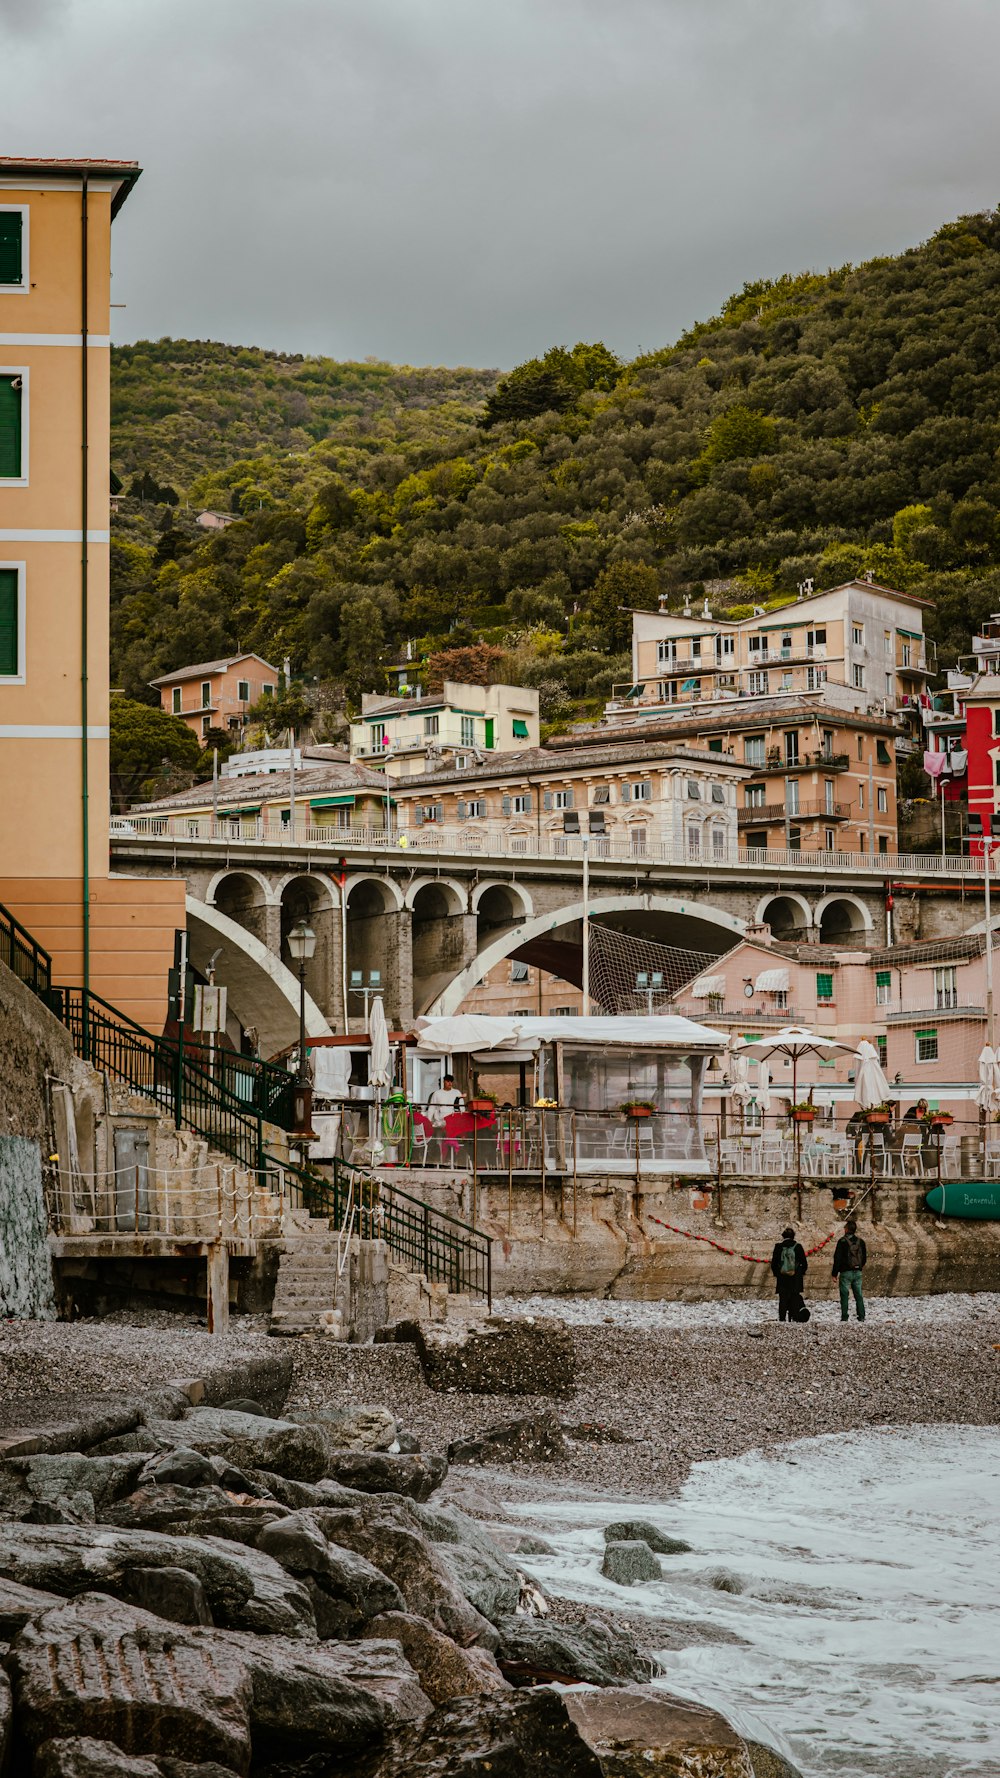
<point x="818" y="426"/>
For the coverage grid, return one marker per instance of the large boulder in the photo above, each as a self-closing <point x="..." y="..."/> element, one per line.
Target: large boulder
<point x="30" y="1483"/>
<point x="539" y="1651"/>
<point x="19" y="1604"/>
<point x="445" y="1671"/>
<point x="767" y="1762"/>
<point x="198" y="1512"/>
<point x="6" y="1717"/>
<point x="379" y="1472"/>
<point x="637" y="1730"/>
<point x="488" y="1579"/>
<point x="244" y="1588"/>
<point x="505" y="1735"/>
<point x="168" y="1592"/>
<point x="534" y="1438"/>
<point x="346" y="1589"/>
<point x="630" y="1562"/>
<point x="99" y="1668"/>
<point x="84" y="1757"/>
<point x="333" y="1702"/>
<point x="351" y="1428"/>
<point x="502" y="1355"/>
<point x="644" y="1531"/>
<point x="427" y="1584"/>
<point x="247" y="1441"/>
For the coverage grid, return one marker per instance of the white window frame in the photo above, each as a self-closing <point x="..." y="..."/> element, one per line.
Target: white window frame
<point x="519" y="971"/>
<point x="20" y="370"/>
<point x="858" y="676"/>
<point x="666" y="651"/>
<point x="857" y="635"/>
<point x="918" y="1038"/>
<point x="946" y="988"/>
<point x="792" y="798"/>
<point x="883" y="800"/>
<point x="887" y="645"/>
<point x="476" y="809"/>
<point x="758" y="682"/>
<point x="521" y="805"/>
<point x="755" y="796"/>
<point x="24" y="287"/>
<point x="562" y="799"/>
<point x="752" y="745"/>
<point x="642" y="790"/>
<point x="468" y="731"/>
<point x="20" y="677"/>
<point x="432" y="727"/>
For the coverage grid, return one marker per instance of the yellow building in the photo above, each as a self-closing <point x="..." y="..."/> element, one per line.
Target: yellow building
<point x="113" y="935"/>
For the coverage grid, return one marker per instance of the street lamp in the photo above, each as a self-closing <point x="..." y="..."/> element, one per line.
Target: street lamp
<point x="302" y="946"/>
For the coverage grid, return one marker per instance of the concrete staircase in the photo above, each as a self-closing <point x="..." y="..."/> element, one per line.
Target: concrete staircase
<point x="309" y="1297"/>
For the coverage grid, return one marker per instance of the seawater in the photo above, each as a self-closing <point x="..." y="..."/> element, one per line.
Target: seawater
<point x="859" y="1574"/>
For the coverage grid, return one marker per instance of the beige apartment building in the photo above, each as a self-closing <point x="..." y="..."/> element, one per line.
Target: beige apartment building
<point x="217" y="694"/>
<point x="112" y="935"/>
<point x="632" y="795"/>
<point x="409" y="735"/>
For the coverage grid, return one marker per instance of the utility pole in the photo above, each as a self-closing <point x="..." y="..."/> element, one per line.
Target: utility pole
<point x="586" y="928"/>
<point x="987" y="871"/>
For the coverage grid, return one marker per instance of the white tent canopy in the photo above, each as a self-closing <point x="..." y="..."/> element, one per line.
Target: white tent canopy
<point x="467" y="1033"/>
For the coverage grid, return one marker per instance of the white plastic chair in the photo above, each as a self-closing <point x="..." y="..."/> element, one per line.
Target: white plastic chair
<point x="838" y="1154"/>
<point x="773" y="1155"/>
<point x="911" y="1152"/>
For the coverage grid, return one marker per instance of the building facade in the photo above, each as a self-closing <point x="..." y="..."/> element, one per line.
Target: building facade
<point x="217" y="694"/>
<point x="407" y="736"/>
<point x="323" y="798"/>
<point x="110" y="934"/>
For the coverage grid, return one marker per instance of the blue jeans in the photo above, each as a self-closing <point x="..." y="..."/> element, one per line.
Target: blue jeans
<point x="851" y="1281"/>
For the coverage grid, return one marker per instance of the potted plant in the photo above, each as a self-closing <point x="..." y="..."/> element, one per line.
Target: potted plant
<point x="483" y="1104"/>
<point x="937" y="1120"/>
<point x="637" y="1108"/>
<point x="802" y="1113"/>
<point x="879" y="1114"/>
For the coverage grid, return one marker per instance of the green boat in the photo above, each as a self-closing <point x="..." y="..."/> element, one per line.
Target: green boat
<point x="973" y="1201"/>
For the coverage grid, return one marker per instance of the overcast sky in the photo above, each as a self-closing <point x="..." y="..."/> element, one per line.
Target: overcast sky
<point x="472" y="181"/>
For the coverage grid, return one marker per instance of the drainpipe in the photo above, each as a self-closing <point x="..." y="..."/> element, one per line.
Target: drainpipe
<point x="84" y="589"/>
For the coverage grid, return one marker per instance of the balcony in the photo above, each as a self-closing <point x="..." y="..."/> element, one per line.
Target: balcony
<point x="915" y="668"/>
<point x="943" y="1005"/>
<point x="769" y="814"/>
<point x="777" y="761"/>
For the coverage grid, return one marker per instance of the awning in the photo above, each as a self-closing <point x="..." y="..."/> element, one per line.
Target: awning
<point x="772" y="981"/>
<point x="471" y="1032"/>
<point x="520" y="729"/>
<point x="330" y="802"/>
<point x="250" y="809"/>
<point x="635" y="691"/>
<point x="707" y="986"/>
<point x="690" y="684"/>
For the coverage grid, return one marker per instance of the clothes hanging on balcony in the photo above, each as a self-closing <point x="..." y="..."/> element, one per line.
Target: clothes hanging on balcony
<point x="936" y="765"/>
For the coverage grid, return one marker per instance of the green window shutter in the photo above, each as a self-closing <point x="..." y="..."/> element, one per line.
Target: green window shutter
<point x="882" y="753"/>
<point x="883" y="978"/>
<point x="10" y="426"/>
<point x="8" y="620"/>
<point x="824" y="987"/>
<point x="11" y="226"/>
<point x="520" y="729"/>
<point x="715" y="746"/>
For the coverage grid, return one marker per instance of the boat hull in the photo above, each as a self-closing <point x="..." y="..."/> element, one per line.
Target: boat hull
<point x="972" y="1202"/>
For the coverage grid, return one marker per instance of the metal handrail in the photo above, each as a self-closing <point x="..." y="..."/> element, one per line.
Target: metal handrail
<point x="23" y="955"/>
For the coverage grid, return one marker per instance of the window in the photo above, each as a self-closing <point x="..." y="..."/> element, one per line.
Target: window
<point x="519" y="971"/>
<point x="755" y="644"/>
<point x="666" y="651"/>
<point x="718" y="794"/>
<point x="206" y="724"/>
<point x="861" y="796"/>
<point x="267" y="691"/>
<point x="926" y="1046"/>
<point x="519" y="805"/>
<point x="795" y="839"/>
<point x="715" y="746"/>
<point x="377" y="737"/>
<point x="815" y="677"/>
<point x="786" y="645"/>
<point x="477" y="809"/>
<point x="753" y="796"/>
<point x="882" y="754"/>
<point x="243" y="691"/>
<point x="694" y="841"/>
<point x="791" y="796"/>
<point x="753" y="750"/>
<point x="558" y="799"/>
<point x="787" y="681"/>
<point x="461" y="761"/>
<point x="883" y="800"/>
<point x="887" y="643"/>
<point x="816" y="642"/>
<point x="192" y="830"/>
<point x="757" y="840"/>
<point x="694" y="790"/>
<point x="828" y="788"/>
<point x="758" y="682"/>
<point x="432" y="725"/>
<point x="565" y="1012"/>
<point x="468" y="731"/>
<point x="175" y="700"/>
<point x="12" y="630"/>
<point x="718" y="841"/>
<point x="883" y="986"/>
<point x="906" y="651"/>
<point x="725" y="649"/>
<point x="883" y="842"/>
<point x="888" y="685"/>
<point x="945" y="988"/>
<point x="638" y="841"/>
<point x="858" y="677"/>
<point x="13" y="246"/>
<point x="861" y="747"/>
<point x="234" y="722"/>
<point x="520" y="728"/>
<point x="858" y="635"/>
<point x="882" y="1045"/>
<point x="824" y="987"/>
<point x="206" y="693"/>
<point x="829" y="839"/>
<point x="826" y="746"/>
<point x="601" y="794"/>
<point x="792" y="747"/>
<point x="642" y="791"/>
<point x="13" y="413"/>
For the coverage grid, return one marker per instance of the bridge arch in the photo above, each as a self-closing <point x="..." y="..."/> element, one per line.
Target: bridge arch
<point x="233" y="874"/>
<point x="731" y="928"/>
<point x="841" y="916"/>
<point x="453" y="893"/>
<point x="521" y="904"/>
<point x="365" y="888"/>
<point x="262" y="992"/>
<point x="312" y="886"/>
<point x="786" y="914"/>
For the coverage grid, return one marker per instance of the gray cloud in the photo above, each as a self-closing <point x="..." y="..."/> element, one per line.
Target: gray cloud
<point x="456" y="181"/>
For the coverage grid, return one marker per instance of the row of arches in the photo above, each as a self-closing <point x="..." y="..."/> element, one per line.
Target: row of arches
<point x="839" y="919"/>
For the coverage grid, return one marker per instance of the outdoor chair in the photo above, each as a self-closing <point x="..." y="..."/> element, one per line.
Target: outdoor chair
<point x="951" y="1157"/>
<point x="838" y="1154"/>
<point x="421" y="1138"/>
<point x="910" y="1155"/>
<point x="773" y="1155"/>
<point x="730" y="1155"/>
<point x="992" y="1163"/>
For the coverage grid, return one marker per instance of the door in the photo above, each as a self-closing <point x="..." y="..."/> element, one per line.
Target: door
<point x="131" y="1195"/>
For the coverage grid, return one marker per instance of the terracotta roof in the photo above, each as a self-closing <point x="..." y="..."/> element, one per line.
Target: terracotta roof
<point x="202" y="667"/>
<point x="126" y="172"/>
<point x="534" y="760"/>
<point x="270" y="787"/>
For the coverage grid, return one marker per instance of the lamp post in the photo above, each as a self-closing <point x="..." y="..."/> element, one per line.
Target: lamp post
<point x="302" y="946"/>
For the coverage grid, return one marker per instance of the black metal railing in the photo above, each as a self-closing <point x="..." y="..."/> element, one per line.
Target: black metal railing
<point x="426" y="1240"/>
<point x="160" y="1070"/>
<point x="23" y="954"/>
<point x="256" y="1085"/>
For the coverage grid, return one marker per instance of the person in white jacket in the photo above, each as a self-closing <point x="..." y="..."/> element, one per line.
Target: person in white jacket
<point x="443" y="1101"/>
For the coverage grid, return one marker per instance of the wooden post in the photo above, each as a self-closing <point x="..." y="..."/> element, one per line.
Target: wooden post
<point x="638" y="1162"/>
<point x="510" y="1167"/>
<point x="718" y="1168"/>
<point x="218" y="1286"/>
<point x="573" y="1119"/>
<point x="475" y="1166"/>
<point x="218" y="1196"/>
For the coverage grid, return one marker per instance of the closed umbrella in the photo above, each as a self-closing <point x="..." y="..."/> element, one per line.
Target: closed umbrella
<point x="870" y="1085"/>
<point x="379" y="1067"/>
<point x="763" y="1093"/>
<point x="988" y="1096"/>
<point x="738" y="1069"/>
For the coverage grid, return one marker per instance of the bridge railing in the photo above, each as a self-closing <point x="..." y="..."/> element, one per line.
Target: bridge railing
<point x="465" y="840"/>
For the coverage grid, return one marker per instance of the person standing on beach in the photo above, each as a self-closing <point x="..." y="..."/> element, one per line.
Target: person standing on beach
<point x="849" y="1261"/>
<point x="789" y="1265"/>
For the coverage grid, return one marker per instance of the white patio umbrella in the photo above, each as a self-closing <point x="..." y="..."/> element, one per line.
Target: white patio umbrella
<point x="988" y="1096"/>
<point x="870" y="1085"/>
<point x="795" y="1041"/>
<point x="738" y="1068"/>
<point x="763" y="1093"/>
<point x="379" y="1067"/>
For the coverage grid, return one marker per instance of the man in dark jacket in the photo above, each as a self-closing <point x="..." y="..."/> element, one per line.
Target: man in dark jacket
<point x="789" y="1265"/>
<point x="849" y="1261"/>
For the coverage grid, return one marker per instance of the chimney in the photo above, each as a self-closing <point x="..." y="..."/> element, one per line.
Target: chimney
<point x="758" y="932"/>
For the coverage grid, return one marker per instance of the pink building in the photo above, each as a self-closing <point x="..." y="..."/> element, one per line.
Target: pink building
<point x="217" y="694"/>
<point x="922" y="1005"/>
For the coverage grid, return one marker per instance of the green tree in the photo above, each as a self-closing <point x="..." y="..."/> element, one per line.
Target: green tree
<point x="620" y="589"/>
<point x="143" y="741"/>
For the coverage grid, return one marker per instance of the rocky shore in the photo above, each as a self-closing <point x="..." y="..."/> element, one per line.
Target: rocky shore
<point x="237" y="1557"/>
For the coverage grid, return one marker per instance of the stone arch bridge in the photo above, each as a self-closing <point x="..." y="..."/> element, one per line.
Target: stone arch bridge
<point x="433" y="924"/>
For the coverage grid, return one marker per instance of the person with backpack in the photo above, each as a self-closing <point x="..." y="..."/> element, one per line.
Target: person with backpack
<point x="789" y="1265"/>
<point x="849" y="1261"/>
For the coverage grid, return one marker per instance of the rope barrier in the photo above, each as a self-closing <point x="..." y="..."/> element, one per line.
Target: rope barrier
<point x="733" y="1253"/>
